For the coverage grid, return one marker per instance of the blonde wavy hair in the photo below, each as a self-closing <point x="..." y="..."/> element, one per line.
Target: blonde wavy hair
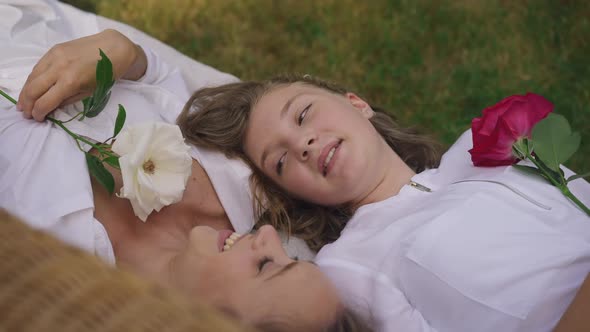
<point x="217" y="118"/>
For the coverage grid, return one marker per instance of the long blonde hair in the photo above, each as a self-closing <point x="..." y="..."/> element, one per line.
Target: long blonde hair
<point x="217" y="118"/>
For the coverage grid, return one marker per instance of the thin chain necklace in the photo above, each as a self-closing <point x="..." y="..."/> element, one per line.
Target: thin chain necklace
<point x="420" y="187"/>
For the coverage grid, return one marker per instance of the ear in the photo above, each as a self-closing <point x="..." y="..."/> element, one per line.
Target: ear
<point x="360" y="105"/>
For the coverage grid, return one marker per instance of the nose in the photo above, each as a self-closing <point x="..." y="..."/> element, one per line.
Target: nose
<point x="268" y="240"/>
<point x="305" y="147"/>
<point x="265" y="236"/>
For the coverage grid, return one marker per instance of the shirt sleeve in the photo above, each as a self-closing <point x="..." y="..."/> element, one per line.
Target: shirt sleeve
<point x="161" y="74"/>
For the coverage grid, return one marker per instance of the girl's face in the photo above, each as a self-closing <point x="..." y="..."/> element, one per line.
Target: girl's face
<point x="254" y="279"/>
<point x="317" y="145"/>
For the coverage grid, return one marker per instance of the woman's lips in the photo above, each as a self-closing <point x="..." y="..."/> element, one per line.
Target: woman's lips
<point x="322" y="167"/>
<point x="221" y="237"/>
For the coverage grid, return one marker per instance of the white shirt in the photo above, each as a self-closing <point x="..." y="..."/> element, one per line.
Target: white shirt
<point x="468" y="256"/>
<point x="43" y="176"/>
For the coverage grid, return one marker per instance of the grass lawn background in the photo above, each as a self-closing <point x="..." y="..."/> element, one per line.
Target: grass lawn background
<point x="434" y="64"/>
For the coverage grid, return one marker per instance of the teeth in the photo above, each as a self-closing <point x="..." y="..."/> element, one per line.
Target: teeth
<point x="229" y="242"/>
<point x="329" y="157"/>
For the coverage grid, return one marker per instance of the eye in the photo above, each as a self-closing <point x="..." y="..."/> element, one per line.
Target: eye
<point x="263" y="262"/>
<point x="280" y="164"/>
<point x="303" y="114"/>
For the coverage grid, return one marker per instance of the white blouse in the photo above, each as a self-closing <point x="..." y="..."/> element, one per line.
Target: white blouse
<point x="472" y="255"/>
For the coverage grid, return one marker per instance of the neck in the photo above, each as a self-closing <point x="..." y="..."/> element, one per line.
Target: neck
<point x="395" y="175"/>
<point x="148" y="248"/>
<point x="125" y="230"/>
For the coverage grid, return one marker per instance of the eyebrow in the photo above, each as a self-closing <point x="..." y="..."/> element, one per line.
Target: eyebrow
<point x="283" y="270"/>
<point x="284" y="111"/>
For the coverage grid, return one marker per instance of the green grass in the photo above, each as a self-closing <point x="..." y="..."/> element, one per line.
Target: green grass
<point x="435" y="64"/>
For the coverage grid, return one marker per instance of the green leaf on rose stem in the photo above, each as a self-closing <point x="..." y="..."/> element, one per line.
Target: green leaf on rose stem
<point x="520" y="148"/>
<point x="99" y="105"/>
<point x="104" y="73"/>
<point x="577" y="176"/>
<point x="121" y="116"/>
<point x="551" y="174"/>
<point x="531" y="170"/>
<point x="87" y="101"/>
<point x="113" y="161"/>
<point x="94" y="104"/>
<point x="100" y="173"/>
<point x="554" y="142"/>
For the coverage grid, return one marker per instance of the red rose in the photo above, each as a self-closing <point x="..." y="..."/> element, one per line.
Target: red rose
<point x="503" y="124"/>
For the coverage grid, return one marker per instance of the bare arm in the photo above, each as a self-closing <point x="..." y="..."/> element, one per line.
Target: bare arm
<point x="577" y="316"/>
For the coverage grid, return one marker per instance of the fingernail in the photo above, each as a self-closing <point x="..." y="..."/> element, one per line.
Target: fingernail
<point x="19" y="107"/>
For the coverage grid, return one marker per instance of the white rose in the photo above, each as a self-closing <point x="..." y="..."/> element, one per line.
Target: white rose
<point x="155" y="165"/>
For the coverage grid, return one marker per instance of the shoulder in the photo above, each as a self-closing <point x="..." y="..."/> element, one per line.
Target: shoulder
<point x="458" y="154"/>
<point x="374" y="297"/>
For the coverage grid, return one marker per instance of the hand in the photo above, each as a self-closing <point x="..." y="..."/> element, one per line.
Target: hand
<point x="67" y="72"/>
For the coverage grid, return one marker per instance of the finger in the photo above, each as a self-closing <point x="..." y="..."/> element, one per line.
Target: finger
<point x="51" y="99"/>
<point x="75" y="98"/>
<point x="53" y="58"/>
<point x="40" y="68"/>
<point x="35" y="89"/>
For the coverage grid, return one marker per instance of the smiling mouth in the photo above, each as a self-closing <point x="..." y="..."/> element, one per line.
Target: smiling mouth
<point x="329" y="157"/>
<point x="231" y="240"/>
